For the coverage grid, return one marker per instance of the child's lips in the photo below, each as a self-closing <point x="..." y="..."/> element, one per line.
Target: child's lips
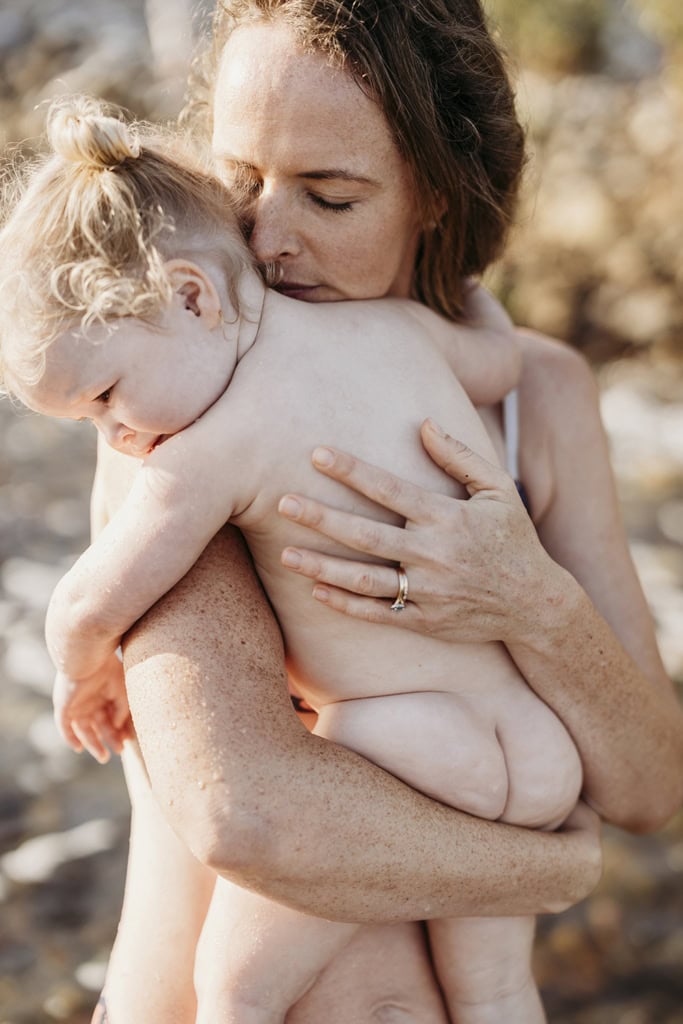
<point x="155" y="444"/>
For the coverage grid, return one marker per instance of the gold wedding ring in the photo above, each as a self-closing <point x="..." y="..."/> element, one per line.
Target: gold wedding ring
<point x="402" y="595"/>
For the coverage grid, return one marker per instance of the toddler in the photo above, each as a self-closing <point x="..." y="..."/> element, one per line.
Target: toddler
<point x="129" y="299"/>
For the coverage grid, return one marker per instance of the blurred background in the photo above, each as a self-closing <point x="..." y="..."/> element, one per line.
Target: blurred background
<point x="595" y="259"/>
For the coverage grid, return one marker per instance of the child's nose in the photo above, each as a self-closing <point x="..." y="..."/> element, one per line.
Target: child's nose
<point x="117" y="435"/>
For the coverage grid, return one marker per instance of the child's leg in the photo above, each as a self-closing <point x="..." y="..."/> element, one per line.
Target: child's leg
<point x="149" y="977"/>
<point x="484" y="966"/>
<point x="256" y="958"/>
<point x="505" y="764"/>
<point x="384" y="974"/>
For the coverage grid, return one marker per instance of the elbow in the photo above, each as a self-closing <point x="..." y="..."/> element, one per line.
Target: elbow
<point x="71" y="620"/>
<point x="661" y="809"/>
<point x="242" y="844"/>
<point x="665" y="798"/>
<point x="653" y="809"/>
<point x="651" y="819"/>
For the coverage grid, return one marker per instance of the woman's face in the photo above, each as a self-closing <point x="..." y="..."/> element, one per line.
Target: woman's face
<point x="330" y="197"/>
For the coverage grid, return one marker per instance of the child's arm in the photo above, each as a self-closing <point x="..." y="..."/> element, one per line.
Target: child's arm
<point x="177" y="503"/>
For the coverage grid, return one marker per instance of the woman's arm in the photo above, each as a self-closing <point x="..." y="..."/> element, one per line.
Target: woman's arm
<point x="293" y="816"/>
<point x="569" y="606"/>
<point x="592" y="654"/>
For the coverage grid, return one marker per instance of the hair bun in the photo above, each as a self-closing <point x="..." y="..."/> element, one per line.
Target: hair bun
<point x="81" y="132"/>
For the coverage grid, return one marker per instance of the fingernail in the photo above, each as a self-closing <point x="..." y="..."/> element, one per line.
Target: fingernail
<point x="291" y="558"/>
<point x="321" y="594"/>
<point x="290" y="507"/>
<point x="323" y="457"/>
<point x="433" y="425"/>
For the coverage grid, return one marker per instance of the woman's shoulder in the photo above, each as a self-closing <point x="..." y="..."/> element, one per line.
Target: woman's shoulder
<point x="555" y="364"/>
<point x="556" y="383"/>
<point x="558" y="402"/>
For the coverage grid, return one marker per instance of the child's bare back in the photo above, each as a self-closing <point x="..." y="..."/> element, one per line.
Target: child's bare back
<point x="456" y="721"/>
<point x="183" y="359"/>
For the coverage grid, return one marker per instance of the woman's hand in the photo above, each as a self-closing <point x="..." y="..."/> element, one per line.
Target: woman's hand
<point x="475" y="566"/>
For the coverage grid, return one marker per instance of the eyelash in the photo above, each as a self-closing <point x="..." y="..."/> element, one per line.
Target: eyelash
<point x="250" y="189"/>
<point x="332" y="207"/>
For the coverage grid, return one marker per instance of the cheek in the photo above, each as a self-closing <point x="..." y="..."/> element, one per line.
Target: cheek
<point x="375" y="255"/>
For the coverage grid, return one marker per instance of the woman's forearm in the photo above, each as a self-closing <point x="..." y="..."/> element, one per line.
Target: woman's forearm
<point x="574" y="661"/>
<point x="291" y="815"/>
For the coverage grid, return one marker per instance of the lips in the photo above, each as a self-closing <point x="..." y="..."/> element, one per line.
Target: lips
<point x="296" y="290"/>
<point x="155" y="444"/>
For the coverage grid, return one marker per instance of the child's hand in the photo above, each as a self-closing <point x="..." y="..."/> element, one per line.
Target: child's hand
<point x="92" y="714"/>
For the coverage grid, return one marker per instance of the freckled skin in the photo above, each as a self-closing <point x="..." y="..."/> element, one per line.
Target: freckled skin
<point x="355" y="843"/>
<point x="280" y="118"/>
<point x="206" y="688"/>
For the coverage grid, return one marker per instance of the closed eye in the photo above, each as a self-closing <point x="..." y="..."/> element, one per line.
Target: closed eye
<point x="325" y="204"/>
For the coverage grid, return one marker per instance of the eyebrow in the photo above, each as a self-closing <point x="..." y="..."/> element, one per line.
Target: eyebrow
<point x="326" y="174"/>
<point x="338" y="174"/>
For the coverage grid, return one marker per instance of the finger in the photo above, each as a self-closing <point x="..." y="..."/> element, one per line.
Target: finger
<point x="388" y="490"/>
<point x="476" y="473"/>
<point x="367" y="535"/>
<point x="360" y="577"/>
<point x="91" y="742"/>
<point x="368" y="609"/>
<point x="66" y="732"/>
<point x="120" y="713"/>
<point x="107" y="733"/>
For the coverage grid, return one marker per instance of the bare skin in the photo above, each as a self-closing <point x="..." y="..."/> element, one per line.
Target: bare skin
<point x="587" y="646"/>
<point x="273" y="135"/>
<point x="389" y="858"/>
<point x="367" y="864"/>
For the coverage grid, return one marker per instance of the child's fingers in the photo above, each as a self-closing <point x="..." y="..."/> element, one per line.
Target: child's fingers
<point x="68" y="735"/>
<point x="108" y="732"/>
<point x="114" y="725"/>
<point x="91" y="741"/>
<point x="120" y="713"/>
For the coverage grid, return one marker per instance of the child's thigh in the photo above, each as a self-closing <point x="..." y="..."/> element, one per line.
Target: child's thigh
<point x="475" y="955"/>
<point x="383" y="976"/>
<point x="439" y="743"/>
<point x="256" y="953"/>
<point x="167" y="895"/>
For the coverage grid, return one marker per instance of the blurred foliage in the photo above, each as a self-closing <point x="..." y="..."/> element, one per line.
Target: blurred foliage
<point x="568" y="36"/>
<point x="664" y="19"/>
<point x="562" y="36"/>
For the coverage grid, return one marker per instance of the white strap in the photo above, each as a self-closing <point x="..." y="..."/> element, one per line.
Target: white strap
<point x="511" y="432"/>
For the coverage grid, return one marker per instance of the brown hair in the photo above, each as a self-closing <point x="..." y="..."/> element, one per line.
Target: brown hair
<point x="440" y="79"/>
<point x="87" y="230"/>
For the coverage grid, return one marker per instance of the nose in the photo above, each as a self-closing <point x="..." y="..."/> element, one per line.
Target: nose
<point x="117" y="435"/>
<point x="274" y="234"/>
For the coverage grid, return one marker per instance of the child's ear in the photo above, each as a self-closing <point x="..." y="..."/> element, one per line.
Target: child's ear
<point x="196" y="290"/>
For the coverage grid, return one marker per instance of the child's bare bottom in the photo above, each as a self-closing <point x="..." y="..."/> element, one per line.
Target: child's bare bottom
<point x="256" y="959"/>
<point x="383" y="975"/>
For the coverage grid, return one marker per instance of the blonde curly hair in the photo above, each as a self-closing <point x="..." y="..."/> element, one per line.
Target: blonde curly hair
<point x="87" y="228"/>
